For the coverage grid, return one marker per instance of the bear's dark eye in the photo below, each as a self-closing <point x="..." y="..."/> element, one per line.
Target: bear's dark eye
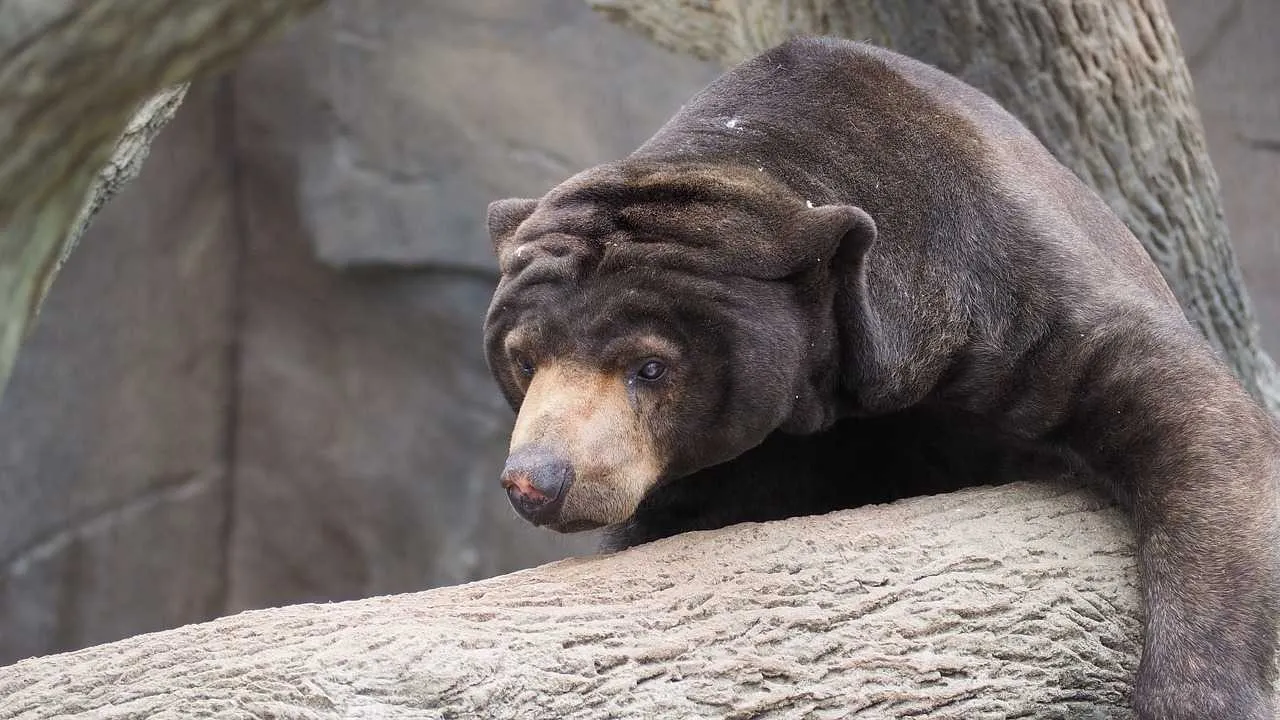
<point x="525" y="364"/>
<point x="652" y="370"/>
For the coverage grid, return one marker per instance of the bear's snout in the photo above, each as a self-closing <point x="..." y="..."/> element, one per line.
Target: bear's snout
<point x="536" y="480"/>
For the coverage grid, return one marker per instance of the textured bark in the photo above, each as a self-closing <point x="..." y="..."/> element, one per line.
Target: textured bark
<point x="123" y="165"/>
<point x="72" y="76"/>
<point x="1101" y="82"/>
<point x="911" y="609"/>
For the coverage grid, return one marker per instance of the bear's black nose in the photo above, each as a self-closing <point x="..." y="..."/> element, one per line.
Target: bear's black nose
<point x="536" y="480"/>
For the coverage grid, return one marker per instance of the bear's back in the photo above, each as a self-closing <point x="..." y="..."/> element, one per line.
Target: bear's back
<point x="842" y="100"/>
<point x="929" y="156"/>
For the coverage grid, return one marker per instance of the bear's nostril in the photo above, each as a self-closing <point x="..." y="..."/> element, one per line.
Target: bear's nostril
<point x="520" y="483"/>
<point x="536" y="481"/>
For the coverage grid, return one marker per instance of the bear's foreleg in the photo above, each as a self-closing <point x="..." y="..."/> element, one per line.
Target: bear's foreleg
<point x="1196" y="461"/>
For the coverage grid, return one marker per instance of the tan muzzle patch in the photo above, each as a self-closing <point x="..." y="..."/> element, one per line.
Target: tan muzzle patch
<point x="584" y="416"/>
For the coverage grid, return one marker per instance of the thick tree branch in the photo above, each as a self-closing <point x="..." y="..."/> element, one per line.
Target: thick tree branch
<point x="915" y="608"/>
<point x="1101" y="82"/>
<point x="72" y="75"/>
<point x="124" y="164"/>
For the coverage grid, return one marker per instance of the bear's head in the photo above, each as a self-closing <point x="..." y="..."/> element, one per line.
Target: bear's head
<point x="655" y="319"/>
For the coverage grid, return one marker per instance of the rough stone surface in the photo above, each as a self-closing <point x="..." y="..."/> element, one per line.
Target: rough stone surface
<point x="434" y="109"/>
<point x="112" y="434"/>
<point x="915" y="609"/>
<point x="1234" y="58"/>
<point x="369" y="435"/>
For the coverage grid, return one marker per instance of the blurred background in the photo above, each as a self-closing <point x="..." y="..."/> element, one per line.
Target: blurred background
<point x="258" y="380"/>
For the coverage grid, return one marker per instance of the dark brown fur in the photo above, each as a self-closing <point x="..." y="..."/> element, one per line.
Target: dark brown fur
<point x="877" y="283"/>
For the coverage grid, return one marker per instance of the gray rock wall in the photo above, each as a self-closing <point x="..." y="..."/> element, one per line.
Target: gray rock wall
<point x="259" y="381"/>
<point x="1234" y="57"/>
<point x="435" y="111"/>
<point x="113" y="429"/>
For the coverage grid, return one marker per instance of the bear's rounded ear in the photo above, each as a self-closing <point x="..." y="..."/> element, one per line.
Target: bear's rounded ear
<point x="828" y="231"/>
<point x="505" y="216"/>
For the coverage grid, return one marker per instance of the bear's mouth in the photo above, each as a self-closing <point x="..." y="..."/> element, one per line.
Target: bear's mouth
<point x="574" y="526"/>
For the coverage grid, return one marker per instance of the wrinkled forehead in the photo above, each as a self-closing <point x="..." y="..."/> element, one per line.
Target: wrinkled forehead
<point x="680" y="215"/>
<point x="579" y="298"/>
<point x="626" y="250"/>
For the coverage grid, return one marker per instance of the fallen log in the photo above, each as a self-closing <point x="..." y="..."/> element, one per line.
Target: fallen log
<point x="1017" y="601"/>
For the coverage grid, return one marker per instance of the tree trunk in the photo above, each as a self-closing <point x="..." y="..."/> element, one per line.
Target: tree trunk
<point x="912" y="609"/>
<point x="75" y="78"/>
<point x="1102" y="83"/>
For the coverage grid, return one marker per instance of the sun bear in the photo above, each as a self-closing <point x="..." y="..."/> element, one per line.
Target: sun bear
<point x="840" y="276"/>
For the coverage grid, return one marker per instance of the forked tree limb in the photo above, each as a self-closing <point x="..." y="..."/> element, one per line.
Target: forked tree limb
<point x="73" y="75"/>
<point x="1018" y="601"/>
<point x="1102" y="83"/>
